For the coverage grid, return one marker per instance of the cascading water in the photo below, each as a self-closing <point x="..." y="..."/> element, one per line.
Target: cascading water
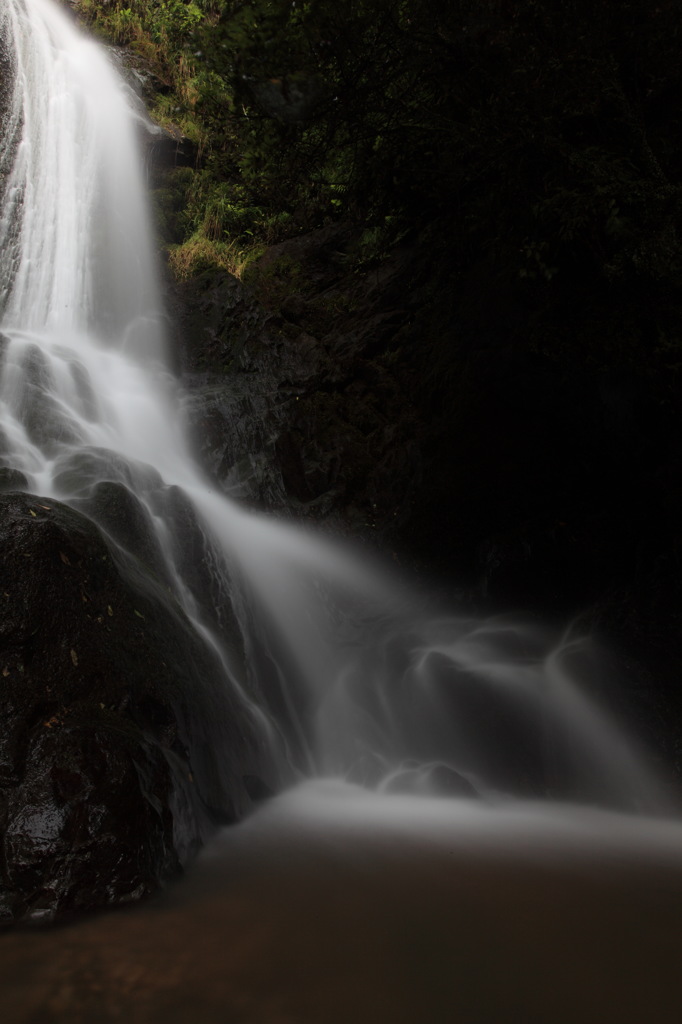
<point x="77" y="252"/>
<point x="338" y="676"/>
<point x="364" y="684"/>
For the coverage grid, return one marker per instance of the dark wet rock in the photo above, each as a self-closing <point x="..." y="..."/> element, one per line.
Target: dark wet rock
<point x="6" y="77"/>
<point x="167" y="148"/>
<point x="289" y="406"/>
<point x="12" y="479"/>
<point x="257" y="789"/>
<point x="139" y="74"/>
<point x="126" y="520"/>
<point x="121" y="746"/>
<point x="218" y="320"/>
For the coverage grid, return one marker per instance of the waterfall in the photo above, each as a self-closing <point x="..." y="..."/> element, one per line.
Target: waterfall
<point x="343" y="672"/>
<point x="75" y="233"/>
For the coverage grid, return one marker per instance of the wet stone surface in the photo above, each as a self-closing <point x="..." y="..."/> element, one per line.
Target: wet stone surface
<point x="121" y="746"/>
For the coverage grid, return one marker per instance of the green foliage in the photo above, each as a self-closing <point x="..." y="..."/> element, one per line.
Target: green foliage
<point x="538" y="139"/>
<point x="221" y="208"/>
<point x="199" y="253"/>
<point x="478" y="112"/>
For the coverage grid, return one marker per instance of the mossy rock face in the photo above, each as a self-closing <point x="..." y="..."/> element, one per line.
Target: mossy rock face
<point x="121" y="745"/>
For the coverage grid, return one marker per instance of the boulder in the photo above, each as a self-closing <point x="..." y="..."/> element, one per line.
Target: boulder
<point x="122" y="744"/>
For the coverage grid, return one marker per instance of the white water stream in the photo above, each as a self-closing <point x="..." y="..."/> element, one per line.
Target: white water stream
<point x="371" y="687"/>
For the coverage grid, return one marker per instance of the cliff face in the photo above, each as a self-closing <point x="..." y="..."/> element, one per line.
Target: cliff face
<point x="384" y="400"/>
<point x="296" y="403"/>
<point x="401" y="404"/>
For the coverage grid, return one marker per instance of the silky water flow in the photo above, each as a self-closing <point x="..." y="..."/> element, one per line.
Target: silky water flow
<point x="459" y="822"/>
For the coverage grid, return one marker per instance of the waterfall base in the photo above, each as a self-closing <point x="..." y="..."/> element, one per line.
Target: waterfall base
<point x="330" y="906"/>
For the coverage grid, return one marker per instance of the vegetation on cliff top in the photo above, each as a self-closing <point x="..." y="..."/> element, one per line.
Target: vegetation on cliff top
<point x="537" y="139"/>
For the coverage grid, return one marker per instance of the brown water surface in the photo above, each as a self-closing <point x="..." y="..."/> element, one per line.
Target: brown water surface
<point x="307" y="916"/>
